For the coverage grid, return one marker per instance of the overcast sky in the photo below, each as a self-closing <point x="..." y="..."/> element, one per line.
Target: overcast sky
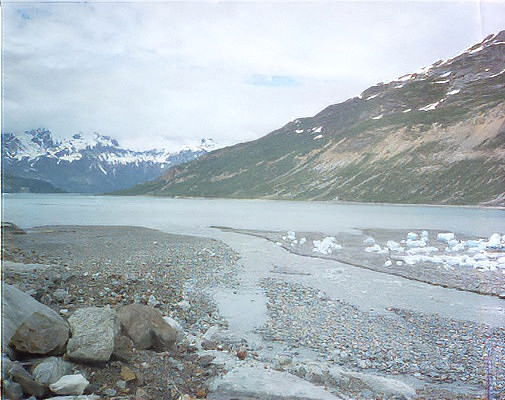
<point x="167" y="74"/>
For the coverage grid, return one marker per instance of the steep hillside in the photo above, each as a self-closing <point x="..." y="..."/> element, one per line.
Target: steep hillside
<point x="86" y="165"/>
<point x="15" y="184"/>
<point x="435" y="136"/>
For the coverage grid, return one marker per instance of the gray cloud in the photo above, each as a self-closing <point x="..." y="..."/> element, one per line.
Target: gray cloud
<point x="168" y="74"/>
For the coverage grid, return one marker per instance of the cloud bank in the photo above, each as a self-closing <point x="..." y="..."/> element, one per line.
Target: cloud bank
<point x="168" y="74"/>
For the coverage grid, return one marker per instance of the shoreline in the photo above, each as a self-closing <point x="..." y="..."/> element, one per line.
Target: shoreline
<point x="306" y="343"/>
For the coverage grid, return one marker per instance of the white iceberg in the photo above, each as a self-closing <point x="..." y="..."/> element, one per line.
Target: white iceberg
<point x="445" y="237"/>
<point x="326" y="246"/>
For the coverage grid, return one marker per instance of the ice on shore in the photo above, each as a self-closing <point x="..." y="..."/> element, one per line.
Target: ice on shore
<point x="326" y="246"/>
<point x="481" y="254"/>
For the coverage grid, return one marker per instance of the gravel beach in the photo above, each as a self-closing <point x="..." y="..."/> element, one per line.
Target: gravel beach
<point x="353" y="354"/>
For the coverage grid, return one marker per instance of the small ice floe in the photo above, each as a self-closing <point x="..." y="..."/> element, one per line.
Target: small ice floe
<point x="317" y="130"/>
<point x="303" y="240"/>
<point x="388" y="263"/>
<point x="394" y="246"/>
<point x="291" y="235"/>
<point x="453" y="92"/>
<point x="415" y="243"/>
<point x="369" y="241"/>
<point x="412" y="236"/>
<point x="376" y="249"/>
<point x="299" y="131"/>
<point x="326" y="246"/>
<point x="318" y="137"/>
<point x="425" y="236"/>
<point x="495" y="242"/>
<point x="445" y="237"/>
<point x="407" y="110"/>
<point x="422" y="250"/>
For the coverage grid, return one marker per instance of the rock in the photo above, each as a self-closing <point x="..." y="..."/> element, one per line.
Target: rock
<point x="90" y="397"/>
<point x="153" y="301"/>
<point x="127" y="374"/>
<point x="70" y="384"/>
<point x="176" y="326"/>
<point x="51" y="370"/>
<point x="9" y="227"/>
<point x="94" y="332"/>
<point x="109" y="392"/>
<point x="61" y="295"/>
<point x="18" y="374"/>
<point x="141" y="394"/>
<point x="11" y="390"/>
<point x="241" y="353"/>
<point x="258" y="383"/>
<point x="29" y="326"/>
<point x="146" y="327"/>
<point x="123" y="349"/>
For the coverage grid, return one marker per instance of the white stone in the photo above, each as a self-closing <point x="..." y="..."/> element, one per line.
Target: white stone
<point x="70" y="384"/>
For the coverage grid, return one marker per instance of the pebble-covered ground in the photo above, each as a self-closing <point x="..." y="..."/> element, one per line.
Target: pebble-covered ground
<point x="98" y="266"/>
<point x="428" y="347"/>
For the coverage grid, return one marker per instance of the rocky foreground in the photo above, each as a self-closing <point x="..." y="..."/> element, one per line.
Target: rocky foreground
<point x="128" y="313"/>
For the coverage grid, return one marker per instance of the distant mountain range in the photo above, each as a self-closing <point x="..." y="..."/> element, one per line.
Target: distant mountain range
<point x="433" y="136"/>
<point x="83" y="165"/>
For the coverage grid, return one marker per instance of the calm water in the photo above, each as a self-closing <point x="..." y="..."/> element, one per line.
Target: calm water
<point x="363" y="288"/>
<point x="194" y="216"/>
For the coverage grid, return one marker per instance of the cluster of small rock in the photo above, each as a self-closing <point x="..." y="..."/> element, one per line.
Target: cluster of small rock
<point x="428" y="347"/>
<point x="71" y="269"/>
<point x="91" y="335"/>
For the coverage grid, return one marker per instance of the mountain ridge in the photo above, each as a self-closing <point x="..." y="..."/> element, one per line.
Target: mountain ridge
<point x="436" y="136"/>
<point x="87" y="165"/>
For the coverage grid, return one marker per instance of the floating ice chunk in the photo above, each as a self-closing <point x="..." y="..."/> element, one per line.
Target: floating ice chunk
<point x="284" y="238"/>
<point x="326" y="246"/>
<point x="395" y="246"/>
<point x="407" y="110"/>
<point x="445" y="237"/>
<point x="388" y="263"/>
<point x="494" y="241"/>
<point x="294" y="242"/>
<point x="472" y="243"/>
<point x="318" y="137"/>
<point x="425" y="236"/>
<point x="412" y="236"/>
<point x="299" y="131"/>
<point x="317" y="130"/>
<point x="415" y="243"/>
<point x="376" y="249"/>
<point x="455" y="91"/>
<point x="369" y="241"/>
<point x="303" y="240"/>
<point x="399" y="263"/>
<point x="425" y="250"/>
<point x="291" y="235"/>
<point x="480" y="257"/>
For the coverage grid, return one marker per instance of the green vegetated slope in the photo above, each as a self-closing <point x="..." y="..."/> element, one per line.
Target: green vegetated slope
<point x="15" y="184"/>
<point x="437" y="136"/>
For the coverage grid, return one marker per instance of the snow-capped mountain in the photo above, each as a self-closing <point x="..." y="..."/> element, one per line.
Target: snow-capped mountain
<point x="433" y="136"/>
<point x="87" y="165"/>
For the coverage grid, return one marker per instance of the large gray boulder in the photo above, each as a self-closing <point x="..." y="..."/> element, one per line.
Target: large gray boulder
<point x="29" y="326"/>
<point x="94" y="332"/>
<point x="146" y="327"/>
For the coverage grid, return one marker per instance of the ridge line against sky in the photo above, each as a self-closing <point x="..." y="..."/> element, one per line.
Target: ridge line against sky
<point x="167" y="74"/>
